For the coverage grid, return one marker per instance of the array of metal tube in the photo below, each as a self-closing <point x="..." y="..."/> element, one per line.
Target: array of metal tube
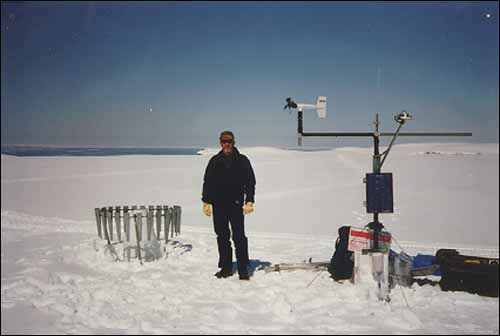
<point x="109" y="221"/>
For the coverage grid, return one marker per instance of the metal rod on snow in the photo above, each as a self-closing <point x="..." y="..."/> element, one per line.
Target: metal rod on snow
<point x="138" y="219"/>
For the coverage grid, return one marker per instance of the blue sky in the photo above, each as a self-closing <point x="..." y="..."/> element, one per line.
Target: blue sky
<point x="177" y="74"/>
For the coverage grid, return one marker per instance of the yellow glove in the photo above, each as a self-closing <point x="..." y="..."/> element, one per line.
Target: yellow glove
<point x="207" y="209"/>
<point x="248" y="208"/>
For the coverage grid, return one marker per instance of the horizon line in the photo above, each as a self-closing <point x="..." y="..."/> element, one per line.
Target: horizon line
<point x="203" y="147"/>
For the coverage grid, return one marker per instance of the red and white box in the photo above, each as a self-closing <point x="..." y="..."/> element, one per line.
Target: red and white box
<point x="362" y="239"/>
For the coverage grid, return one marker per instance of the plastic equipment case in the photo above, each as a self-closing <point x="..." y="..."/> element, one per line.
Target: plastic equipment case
<point x="379" y="196"/>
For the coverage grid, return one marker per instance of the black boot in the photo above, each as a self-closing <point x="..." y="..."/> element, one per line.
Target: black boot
<point x="224" y="273"/>
<point x="244" y="276"/>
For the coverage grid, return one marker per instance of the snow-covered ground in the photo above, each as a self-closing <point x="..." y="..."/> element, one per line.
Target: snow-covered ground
<point x="54" y="280"/>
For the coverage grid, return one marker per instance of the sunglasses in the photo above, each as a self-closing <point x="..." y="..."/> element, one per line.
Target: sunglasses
<point x="230" y="141"/>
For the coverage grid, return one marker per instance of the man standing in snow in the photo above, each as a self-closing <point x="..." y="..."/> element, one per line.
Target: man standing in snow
<point x="229" y="180"/>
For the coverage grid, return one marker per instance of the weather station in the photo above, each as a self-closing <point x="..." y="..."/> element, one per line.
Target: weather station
<point x="370" y="260"/>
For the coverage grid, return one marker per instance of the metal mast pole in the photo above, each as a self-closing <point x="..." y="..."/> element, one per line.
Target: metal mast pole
<point x="300" y="128"/>
<point x="376" y="170"/>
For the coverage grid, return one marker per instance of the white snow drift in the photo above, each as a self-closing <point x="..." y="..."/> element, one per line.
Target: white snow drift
<point x="54" y="280"/>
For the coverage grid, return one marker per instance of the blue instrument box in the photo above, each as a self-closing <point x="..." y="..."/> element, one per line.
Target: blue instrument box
<point x="379" y="197"/>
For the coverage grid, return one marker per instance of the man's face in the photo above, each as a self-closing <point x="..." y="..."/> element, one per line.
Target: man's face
<point x="227" y="143"/>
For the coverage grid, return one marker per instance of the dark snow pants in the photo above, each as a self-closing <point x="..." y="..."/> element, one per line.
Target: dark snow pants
<point x="225" y="214"/>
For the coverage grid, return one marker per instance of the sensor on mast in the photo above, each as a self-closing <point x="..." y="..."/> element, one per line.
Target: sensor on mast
<point x="320" y="108"/>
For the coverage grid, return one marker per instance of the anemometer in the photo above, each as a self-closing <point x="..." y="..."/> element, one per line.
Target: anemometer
<point x="320" y="107"/>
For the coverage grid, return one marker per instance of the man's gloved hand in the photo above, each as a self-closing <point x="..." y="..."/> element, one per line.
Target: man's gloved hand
<point x="207" y="209"/>
<point x="248" y="208"/>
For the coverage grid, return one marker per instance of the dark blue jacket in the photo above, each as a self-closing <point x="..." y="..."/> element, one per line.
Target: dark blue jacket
<point x="228" y="179"/>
